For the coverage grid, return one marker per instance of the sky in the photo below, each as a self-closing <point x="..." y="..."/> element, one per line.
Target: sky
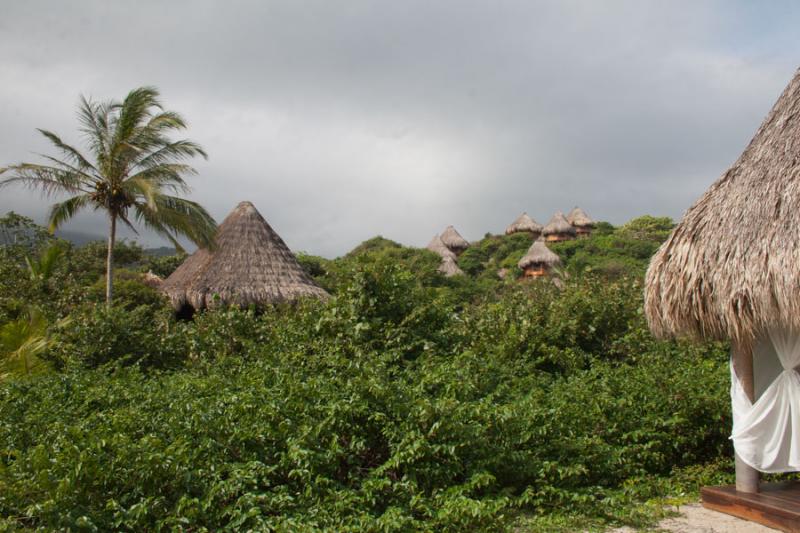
<point x="345" y="120"/>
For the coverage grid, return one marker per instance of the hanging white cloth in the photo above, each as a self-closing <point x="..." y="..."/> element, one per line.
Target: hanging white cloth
<point x="766" y="434"/>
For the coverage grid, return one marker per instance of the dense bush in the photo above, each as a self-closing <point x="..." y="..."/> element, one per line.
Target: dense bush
<point x="95" y="335"/>
<point x="408" y="401"/>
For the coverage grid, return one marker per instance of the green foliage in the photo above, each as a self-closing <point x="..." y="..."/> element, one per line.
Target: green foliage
<point x="162" y="265"/>
<point x="406" y="402"/>
<point x="375" y="244"/>
<point x="42" y="268"/>
<point x="129" y="290"/>
<point x="649" y="228"/>
<point x="97" y="335"/>
<point x="22" y="343"/>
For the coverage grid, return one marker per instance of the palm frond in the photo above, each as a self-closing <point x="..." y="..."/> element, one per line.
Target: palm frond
<point x="172" y="151"/>
<point x="174" y="217"/>
<point x="63" y="211"/>
<point x="48" y="180"/>
<point x="71" y="152"/>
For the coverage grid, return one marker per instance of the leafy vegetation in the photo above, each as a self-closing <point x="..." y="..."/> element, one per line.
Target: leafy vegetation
<point x="406" y="402"/>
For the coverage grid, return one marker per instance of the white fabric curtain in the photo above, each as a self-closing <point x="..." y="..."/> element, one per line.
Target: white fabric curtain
<point x="766" y="434"/>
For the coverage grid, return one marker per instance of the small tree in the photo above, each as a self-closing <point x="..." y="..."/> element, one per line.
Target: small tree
<point x="132" y="167"/>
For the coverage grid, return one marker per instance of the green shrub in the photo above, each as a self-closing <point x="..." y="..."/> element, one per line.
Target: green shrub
<point x="95" y="336"/>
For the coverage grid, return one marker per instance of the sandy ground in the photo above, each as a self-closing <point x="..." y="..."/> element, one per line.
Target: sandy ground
<point x="696" y="519"/>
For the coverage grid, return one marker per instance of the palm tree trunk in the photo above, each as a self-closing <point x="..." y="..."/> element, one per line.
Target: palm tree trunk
<point x="112" y="236"/>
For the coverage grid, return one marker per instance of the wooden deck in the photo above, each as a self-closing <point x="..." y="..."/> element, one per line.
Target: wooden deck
<point x="776" y="506"/>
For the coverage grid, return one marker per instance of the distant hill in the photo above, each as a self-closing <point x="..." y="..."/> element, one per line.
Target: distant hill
<point x="161" y="251"/>
<point x="79" y="238"/>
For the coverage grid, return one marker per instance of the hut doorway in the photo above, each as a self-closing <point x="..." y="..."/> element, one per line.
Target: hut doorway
<point x="186" y="312"/>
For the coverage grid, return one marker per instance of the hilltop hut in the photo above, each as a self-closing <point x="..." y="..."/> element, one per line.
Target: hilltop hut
<point x="538" y="261"/>
<point x="729" y="270"/>
<point x="450" y="268"/>
<point x="453" y="240"/>
<point x="558" y="229"/>
<point x="251" y="265"/>
<point x="437" y="246"/>
<point x="524" y="223"/>
<point x="581" y="222"/>
<point x="153" y="281"/>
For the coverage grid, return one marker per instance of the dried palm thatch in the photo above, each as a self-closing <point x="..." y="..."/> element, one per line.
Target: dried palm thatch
<point x="152" y="280"/>
<point x="558" y="229"/>
<point x="250" y="265"/>
<point x="453" y="240"/>
<point x="449" y="268"/>
<point x="437" y="246"/>
<point x="524" y="223"/>
<point x="539" y="260"/>
<point x="730" y="267"/>
<point x="580" y="221"/>
<point x="539" y="254"/>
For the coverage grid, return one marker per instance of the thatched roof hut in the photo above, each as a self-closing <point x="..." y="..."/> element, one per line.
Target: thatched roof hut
<point x="250" y="265"/>
<point x="730" y="270"/>
<point x="449" y="267"/>
<point x="582" y="223"/>
<point x="437" y="246"/>
<point x="453" y="240"/>
<point x="539" y="260"/>
<point x="524" y="223"/>
<point x="152" y="280"/>
<point x="558" y="229"/>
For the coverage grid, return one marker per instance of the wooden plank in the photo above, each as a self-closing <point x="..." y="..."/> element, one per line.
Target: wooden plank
<point x="777" y="506"/>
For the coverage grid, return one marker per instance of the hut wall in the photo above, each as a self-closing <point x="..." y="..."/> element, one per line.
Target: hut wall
<point x="535" y="270"/>
<point x="559" y="237"/>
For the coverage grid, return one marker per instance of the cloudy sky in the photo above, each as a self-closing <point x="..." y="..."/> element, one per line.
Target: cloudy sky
<point x="344" y="120"/>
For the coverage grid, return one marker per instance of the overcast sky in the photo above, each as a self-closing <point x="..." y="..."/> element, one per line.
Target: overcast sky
<point x="344" y="120"/>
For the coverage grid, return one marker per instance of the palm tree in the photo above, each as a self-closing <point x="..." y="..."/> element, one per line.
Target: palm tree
<point x="132" y="168"/>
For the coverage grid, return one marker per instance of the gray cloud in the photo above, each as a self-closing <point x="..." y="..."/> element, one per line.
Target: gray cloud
<point x="343" y="120"/>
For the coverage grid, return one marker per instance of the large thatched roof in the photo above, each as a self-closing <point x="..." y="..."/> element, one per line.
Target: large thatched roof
<point x="453" y="240"/>
<point x="524" y="223"/>
<point x="731" y="267"/>
<point x="558" y="225"/>
<point x="578" y="218"/>
<point x="250" y="265"/>
<point x="437" y="246"/>
<point x="539" y="253"/>
<point x="449" y="267"/>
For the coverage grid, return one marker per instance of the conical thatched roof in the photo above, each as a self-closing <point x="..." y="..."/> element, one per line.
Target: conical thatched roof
<point x="524" y="223"/>
<point x="437" y="246"/>
<point x="450" y="268"/>
<point x="578" y="218"/>
<point x="152" y="280"/>
<point x="558" y="225"/>
<point x="250" y="265"/>
<point x="539" y="253"/>
<point x="453" y="240"/>
<point x="731" y="267"/>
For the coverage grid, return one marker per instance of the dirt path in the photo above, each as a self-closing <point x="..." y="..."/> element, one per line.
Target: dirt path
<point x="696" y="519"/>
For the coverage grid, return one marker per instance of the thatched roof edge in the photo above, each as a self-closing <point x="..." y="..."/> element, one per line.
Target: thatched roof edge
<point x="729" y="268"/>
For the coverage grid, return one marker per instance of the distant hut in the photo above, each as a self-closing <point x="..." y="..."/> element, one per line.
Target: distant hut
<point x="453" y="240"/>
<point x="524" y="223"/>
<point x="153" y="281"/>
<point x="538" y="261"/>
<point x="581" y="222"/>
<point x="437" y="246"/>
<point x="251" y="265"/>
<point x="558" y="229"/>
<point x="729" y="270"/>
<point x="449" y="267"/>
